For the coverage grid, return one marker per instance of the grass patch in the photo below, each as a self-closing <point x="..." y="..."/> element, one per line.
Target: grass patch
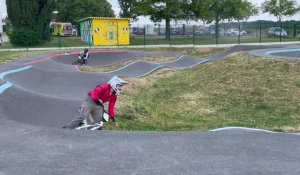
<point x="64" y="42"/>
<point x="7" y="56"/>
<point x="197" y="52"/>
<point x="240" y="90"/>
<point x="54" y="42"/>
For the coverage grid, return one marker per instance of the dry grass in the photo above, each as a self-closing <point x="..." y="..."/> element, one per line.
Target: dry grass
<point x="8" y="56"/>
<point x="197" y="52"/>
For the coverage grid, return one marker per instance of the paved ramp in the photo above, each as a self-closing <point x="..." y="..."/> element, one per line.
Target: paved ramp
<point x="46" y="90"/>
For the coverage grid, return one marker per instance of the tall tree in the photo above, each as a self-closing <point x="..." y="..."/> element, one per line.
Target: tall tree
<point x="241" y="9"/>
<point x="159" y="10"/>
<point x="218" y="10"/>
<point x="280" y="8"/>
<point x="30" y="16"/>
<point x="73" y="10"/>
<point x="128" y="9"/>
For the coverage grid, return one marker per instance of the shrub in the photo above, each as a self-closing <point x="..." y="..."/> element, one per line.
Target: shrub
<point x="24" y="37"/>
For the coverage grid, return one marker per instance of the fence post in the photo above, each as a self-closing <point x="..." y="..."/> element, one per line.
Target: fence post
<point x="169" y="33"/>
<point x="280" y="30"/>
<point x="27" y="38"/>
<point x="159" y="30"/>
<point x="58" y="33"/>
<point x="260" y="32"/>
<point x="118" y="41"/>
<point x="239" y="35"/>
<point x="295" y="30"/>
<point x="89" y="38"/>
<point x="193" y="35"/>
<point x="224" y="28"/>
<point x="144" y="35"/>
<point x="217" y="34"/>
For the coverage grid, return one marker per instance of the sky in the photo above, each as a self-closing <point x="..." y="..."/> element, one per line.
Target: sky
<point x="143" y="20"/>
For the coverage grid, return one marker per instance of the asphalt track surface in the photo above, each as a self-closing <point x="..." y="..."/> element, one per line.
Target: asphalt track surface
<point x="291" y="53"/>
<point x="40" y="94"/>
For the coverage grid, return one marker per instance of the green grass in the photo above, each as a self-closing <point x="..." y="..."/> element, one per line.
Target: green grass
<point x="240" y="90"/>
<point x="54" y="42"/>
<point x="65" y="42"/>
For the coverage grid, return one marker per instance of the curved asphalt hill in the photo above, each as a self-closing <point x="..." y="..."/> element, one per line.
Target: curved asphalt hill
<point x="73" y="85"/>
<point x="32" y="108"/>
<point x="49" y="78"/>
<point x="109" y="57"/>
<point x="54" y="66"/>
<point x="48" y="94"/>
<point x="99" y="57"/>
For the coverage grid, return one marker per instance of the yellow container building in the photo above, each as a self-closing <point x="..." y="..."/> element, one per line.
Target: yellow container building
<point x="102" y="31"/>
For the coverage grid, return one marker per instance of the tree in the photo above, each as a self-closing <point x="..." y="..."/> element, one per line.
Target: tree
<point x="128" y="9"/>
<point x="159" y="10"/>
<point x="241" y="9"/>
<point x="73" y="10"/>
<point x="30" y="19"/>
<point x="280" y="8"/>
<point x="218" y="10"/>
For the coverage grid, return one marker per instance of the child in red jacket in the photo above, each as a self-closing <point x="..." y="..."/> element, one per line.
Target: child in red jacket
<point x="93" y="104"/>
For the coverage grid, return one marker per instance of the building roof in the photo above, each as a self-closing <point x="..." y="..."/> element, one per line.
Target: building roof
<point x="107" y="18"/>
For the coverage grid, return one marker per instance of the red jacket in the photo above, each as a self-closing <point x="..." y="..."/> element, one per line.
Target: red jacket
<point x="102" y="92"/>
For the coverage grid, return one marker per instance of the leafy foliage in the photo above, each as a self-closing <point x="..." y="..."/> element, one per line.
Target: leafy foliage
<point x="280" y="8"/>
<point x="218" y="10"/>
<point x="24" y="37"/>
<point x="73" y="10"/>
<point x="159" y="10"/>
<point x="30" y="15"/>
<point x="128" y="9"/>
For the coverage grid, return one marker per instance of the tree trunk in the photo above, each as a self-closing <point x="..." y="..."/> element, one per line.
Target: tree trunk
<point x="168" y="28"/>
<point x="217" y="30"/>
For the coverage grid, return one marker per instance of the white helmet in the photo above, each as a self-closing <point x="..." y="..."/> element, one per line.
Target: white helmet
<point x="114" y="81"/>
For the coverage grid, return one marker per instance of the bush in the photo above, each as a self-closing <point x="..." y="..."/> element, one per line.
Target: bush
<point x="23" y="37"/>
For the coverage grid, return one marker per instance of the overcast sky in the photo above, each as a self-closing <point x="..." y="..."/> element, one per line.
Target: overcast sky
<point x="143" y="20"/>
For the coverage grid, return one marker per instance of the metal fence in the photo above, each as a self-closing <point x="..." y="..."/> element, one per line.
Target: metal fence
<point x="183" y="34"/>
<point x="228" y="33"/>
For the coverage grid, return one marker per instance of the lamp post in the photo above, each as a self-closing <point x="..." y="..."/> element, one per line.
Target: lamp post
<point x="58" y="31"/>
